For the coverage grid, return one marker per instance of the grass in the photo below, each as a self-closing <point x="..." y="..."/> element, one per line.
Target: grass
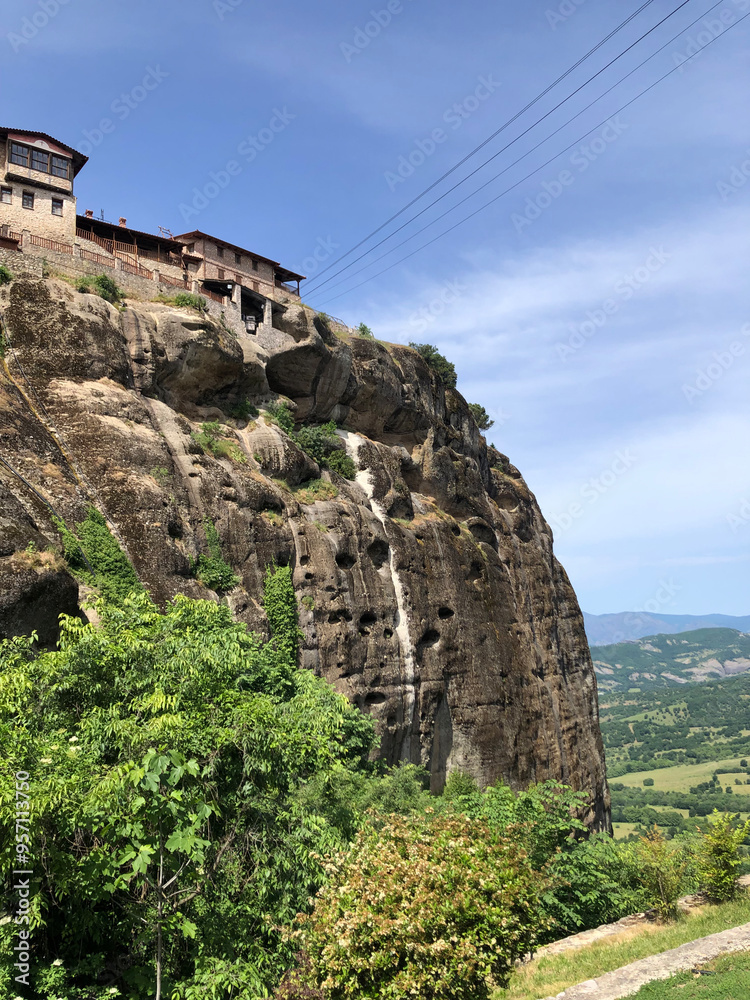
<point x="682" y="777"/>
<point x="726" y="978"/>
<point x="622" y="830"/>
<point x="547" y="976"/>
<point x="315" y="490"/>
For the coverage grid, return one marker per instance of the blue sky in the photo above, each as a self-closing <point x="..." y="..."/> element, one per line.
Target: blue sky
<point x="599" y="310"/>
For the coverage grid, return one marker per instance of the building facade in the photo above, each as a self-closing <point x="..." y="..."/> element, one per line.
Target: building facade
<point x="36" y="187"/>
<point x="38" y="214"/>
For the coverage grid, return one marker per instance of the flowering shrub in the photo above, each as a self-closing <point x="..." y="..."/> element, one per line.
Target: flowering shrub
<point x="432" y="907"/>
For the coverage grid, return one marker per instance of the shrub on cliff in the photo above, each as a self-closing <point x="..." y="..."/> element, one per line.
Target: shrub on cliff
<point x="187" y="300"/>
<point x="438" y="363"/>
<point x="5" y="275"/>
<point x="432" y="907"/>
<point x="94" y="555"/>
<point x="481" y="417"/>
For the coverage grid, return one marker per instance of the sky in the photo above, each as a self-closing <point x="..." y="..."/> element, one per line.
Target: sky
<point x="597" y="307"/>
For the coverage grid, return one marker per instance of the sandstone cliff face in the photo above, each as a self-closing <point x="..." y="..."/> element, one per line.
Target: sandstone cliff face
<point x="429" y="591"/>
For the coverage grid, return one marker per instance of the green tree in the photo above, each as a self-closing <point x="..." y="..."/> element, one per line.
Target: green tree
<point x="481" y="416"/>
<point x="100" y="726"/>
<point x="718" y="859"/>
<point x="161" y="816"/>
<point x="444" y="369"/>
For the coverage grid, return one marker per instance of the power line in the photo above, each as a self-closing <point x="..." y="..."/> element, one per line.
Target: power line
<point x="499" y="130"/>
<point x="531" y="174"/>
<point x="523" y="157"/>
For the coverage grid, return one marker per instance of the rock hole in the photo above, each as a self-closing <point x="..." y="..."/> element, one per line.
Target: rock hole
<point x="475" y="572"/>
<point x="375" y="698"/>
<point x="446" y="613"/>
<point x="379" y="552"/>
<point x="304" y="560"/>
<point x="368" y="618"/>
<point x="345" y="561"/>
<point x="335" y="617"/>
<point x="456" y="530"/>
<point x="430" y="638"/>
<point x="387" y="633"/>
<point x="309" y="576"/>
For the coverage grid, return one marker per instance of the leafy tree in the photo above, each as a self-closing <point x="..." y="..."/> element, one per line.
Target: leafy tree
<point x="481" y="417"/>
<point x="718" y="859"/>
<point x="444" y="369"/>
<point x="363" y="330"/>
<point x="186" y="723"/>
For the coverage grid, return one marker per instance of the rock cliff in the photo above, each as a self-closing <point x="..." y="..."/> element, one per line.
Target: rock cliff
<point x="429" y="592"/>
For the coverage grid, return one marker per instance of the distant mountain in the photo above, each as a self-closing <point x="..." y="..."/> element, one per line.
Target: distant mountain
<point x="660" y="661"/>
<point x="604" y="629"/>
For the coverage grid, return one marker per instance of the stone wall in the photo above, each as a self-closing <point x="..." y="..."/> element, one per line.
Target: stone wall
<point x="20" y="263"/>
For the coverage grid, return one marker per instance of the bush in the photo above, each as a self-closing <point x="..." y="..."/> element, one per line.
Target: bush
<point x="363" y="330"/>
<point x="320" y="442"/>
<point x="212" y="570"/>
<point x="481" y="417"/>
<point x="314" y="490"/>
<point x="188" y="300"/>
<point x="107" y="289"/>
<point x="661" y="865"/>
<point x="342" y="464"/>
<point x="648" y="782"/>
<point x="211" y="439"/>
<point x="432" y="907"/>
<point x="94" y="555"/>
<point x="281" y="415"/>
<point x="444" y="369"/>
<point x="5" y="275"/>
<point x="244" y="411"/>
<point x="718" y="859"/>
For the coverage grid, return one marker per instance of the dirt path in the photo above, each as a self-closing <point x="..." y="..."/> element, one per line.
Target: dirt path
<point x="628" y="980"/>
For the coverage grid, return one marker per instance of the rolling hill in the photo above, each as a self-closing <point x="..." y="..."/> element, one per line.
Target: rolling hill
<point x="605" y="629"/>
<point x="660" y="661"/>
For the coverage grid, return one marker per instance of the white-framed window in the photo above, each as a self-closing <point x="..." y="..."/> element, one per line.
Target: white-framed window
<point x="6" y="195"/>
<point x="57" y="206"/>
<point x="28" y="200"/>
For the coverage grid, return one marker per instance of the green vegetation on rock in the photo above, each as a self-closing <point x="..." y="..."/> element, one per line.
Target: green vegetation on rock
<point x="95" y="556"/>
<point x="445" y="370"/>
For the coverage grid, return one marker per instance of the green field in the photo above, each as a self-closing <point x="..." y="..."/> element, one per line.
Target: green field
<point x="683" y="777"/>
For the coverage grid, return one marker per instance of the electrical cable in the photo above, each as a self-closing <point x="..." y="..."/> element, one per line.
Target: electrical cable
<point x="318" y="284"/>
<point x="527" y="153"/>
<point x="531" y="174"/>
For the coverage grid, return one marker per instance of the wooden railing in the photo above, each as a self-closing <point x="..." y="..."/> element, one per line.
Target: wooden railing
<point x="15" y="236"/>
<point x="166" y="279"/>
<point x="40" y="241"/>
<point x="137" y="269"/>
<point x="212" y="295"/>
<point x="97" y="258"/>
<point x="115" y="247"/>
<point x="287" y="288"/>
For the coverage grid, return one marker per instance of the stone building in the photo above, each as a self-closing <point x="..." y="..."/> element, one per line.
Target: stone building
<point x="36" y="189"/>
<point x="253" y="281"/>
<point x="38" y="217"/>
